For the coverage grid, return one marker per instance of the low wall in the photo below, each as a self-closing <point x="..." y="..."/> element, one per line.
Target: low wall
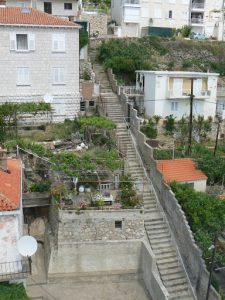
<point x="189" y="251"/>
<point x="100" y="225"/>
<point x="98" y="22"/>
<point x="112" y="80"/>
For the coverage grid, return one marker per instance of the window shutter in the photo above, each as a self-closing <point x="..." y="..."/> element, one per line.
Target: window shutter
<point x="31" y="41"/>
<point x="26" y="75"/>
<point x="58" y="42"/>
<point x="62" y="77"/>
<point x="12" y="41"/>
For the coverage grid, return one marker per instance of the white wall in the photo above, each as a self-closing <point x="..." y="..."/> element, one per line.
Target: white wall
<point x="41" y="62"/>
<point x="57" y="6"/>
<point x="9" y="235"/>
<point x="199" y="185"/>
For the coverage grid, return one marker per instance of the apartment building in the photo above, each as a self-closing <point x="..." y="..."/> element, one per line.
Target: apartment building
<point x="39" y="60"/>
<point x="141" y="17"/>
<point x="165" y="93"/>
<point x="207" y="17"/>
<point x="68" y="9"/>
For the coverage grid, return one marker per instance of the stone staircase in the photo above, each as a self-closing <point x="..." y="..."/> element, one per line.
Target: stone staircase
<point x="158" y="232"/>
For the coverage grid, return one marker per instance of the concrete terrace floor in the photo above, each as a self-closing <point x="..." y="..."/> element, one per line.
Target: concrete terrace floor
<point x="39" y="289"/>
<point x="132" y="290"/>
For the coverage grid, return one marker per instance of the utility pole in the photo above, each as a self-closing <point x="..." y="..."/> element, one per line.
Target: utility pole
<point x="217" y="136"/>
<point x="191" y="117"/>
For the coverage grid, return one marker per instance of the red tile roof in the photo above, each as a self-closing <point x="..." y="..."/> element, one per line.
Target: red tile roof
<point x="180" y="170"/>
<point x="17" y="16"/>
<point x="10" y="186"/>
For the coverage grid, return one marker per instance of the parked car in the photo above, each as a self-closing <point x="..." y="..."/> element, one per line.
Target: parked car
<point x="198" y="36"/>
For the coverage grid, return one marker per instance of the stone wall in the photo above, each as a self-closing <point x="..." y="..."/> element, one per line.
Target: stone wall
<point x="99" y="225"/>
<point x="98" y="22"/>
<point x="189" y="251"/>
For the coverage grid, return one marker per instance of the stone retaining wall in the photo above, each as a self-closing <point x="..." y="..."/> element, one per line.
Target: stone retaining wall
<point x="99" y="225"/>
<point x="98" y="22"/>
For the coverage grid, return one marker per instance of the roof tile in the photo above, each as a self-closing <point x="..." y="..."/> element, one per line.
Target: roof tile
<point x="10" y="186"/>
<point x="18" y="16"/>
<point x="180" y="170"/>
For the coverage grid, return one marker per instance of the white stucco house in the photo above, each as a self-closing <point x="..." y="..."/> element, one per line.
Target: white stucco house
<point x="158" y="17"/>
<point x="65" y="9"/>
<point x="168" y="92"/>
<point x="12" y="265"/>
<point x="39" y="60"/>
<point x="183" y="170"/>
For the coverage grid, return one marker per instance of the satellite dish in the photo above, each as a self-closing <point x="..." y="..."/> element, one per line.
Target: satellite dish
<point x="27" y="245"/>
<point x="48" y="98"/>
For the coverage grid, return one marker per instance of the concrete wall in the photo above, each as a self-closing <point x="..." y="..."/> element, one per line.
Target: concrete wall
<point x="189" y="251"/>
<point x="100" y="225"/>
<point x="41" y="61"/>
<point x="9" y="235"/>
<point x="111" y="258"/>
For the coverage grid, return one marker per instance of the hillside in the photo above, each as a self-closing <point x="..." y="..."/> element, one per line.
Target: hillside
<point x="153" y="53"/>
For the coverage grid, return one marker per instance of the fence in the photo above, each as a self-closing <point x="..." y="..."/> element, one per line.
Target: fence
<point x="14" y="270"/>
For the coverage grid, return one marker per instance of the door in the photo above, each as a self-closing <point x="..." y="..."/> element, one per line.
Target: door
<point x="178" y="87"/>
<point x="48" y="7"/>
<point x="197" y="87"/>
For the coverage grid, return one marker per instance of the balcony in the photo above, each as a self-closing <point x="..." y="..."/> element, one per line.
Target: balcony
<point x="197" y="21"/>
<point x="186" y="94"/>
<point x="14" y="270"/>
<point x="133" y="2"/>
<point x="198" y="6"/>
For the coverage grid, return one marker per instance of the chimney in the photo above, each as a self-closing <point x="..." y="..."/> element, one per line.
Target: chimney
<point x="3" y="160"/>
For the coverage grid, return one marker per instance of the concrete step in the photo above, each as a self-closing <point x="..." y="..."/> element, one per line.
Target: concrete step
<point x="175" y="282"/>
<point x="168" y="266"/>
<point x="167" y="260"/>
<point x="176" y="270"/>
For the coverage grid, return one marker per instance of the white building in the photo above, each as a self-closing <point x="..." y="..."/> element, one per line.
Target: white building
<point x="207" y="17"/>
<point x="69" y="9"/>
<point x="166" y="93"/>
<point x="159" y="17"/>
<point x="141" y="17"/>
<point x="11" y="219"/>
<point x="39" y="60"/>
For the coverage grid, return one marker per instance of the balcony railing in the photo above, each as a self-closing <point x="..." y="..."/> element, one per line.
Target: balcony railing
<point x="196" y="20"/>
<point x="131" y="2"/>
<point x="198" y="5"/>
<point x="186" y="94"/>
<point x="14" y="270"/>
<point x="132" y="90"/>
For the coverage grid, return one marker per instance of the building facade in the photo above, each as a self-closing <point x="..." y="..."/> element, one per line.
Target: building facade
<point x="166" y="93"/>
<point x="65" y="9"/>
<point x="40" y="60"/>
<point x="140" y="17"/>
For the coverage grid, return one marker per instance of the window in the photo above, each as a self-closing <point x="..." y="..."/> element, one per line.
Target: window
<point x="23" y="76"/>
<point x="58" y="76"/>
<point x="91" y="103"/>
<point x="170" y="14"/>
<point x="67" y="5"/>
<point x="174" y="106"/>
<point x="58" y="42"/>
<point x="22" y="42"/>
<point x="118" y="224"/>
<point x="82" y="105"/>
<point x="48" y="7"/>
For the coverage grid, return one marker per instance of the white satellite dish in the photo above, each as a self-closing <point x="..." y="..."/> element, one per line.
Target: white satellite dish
<point x="27" y="245"/>
<point x="48" y="98"/>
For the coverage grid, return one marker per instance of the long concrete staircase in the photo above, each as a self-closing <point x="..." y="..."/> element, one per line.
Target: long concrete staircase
<point x="168" y="261"/>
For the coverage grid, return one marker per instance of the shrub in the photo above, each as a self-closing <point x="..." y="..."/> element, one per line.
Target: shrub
<point x="13" y="291"/>
<point x="186" y="30"/>
<point x="169" y="124"/>
<point x="41" y="187"/>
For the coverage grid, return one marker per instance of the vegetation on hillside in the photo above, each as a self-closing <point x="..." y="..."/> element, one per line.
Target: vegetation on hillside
<point x="127" y="55"/>
<point x="206" y="217"/>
